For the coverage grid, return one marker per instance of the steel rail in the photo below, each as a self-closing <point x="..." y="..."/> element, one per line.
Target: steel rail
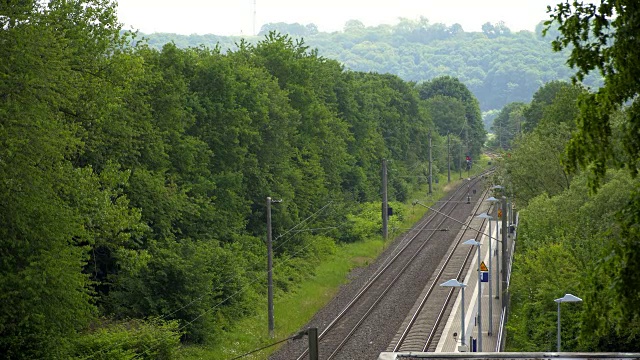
<point x="418" y="311"/>
<point x="449" y="296"/>
<point x="381" y="296"/>
<point x="457" y="193"/>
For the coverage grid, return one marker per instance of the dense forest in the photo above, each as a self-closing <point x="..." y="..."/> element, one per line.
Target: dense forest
<point x="571" y="164"/>
<point x="133" y="174"/>
<point x="570" y="239"/>
<point x="498" y="65"/>
<point x="133" y="179"/>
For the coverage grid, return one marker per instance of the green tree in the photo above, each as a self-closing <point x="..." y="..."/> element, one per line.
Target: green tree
<point x="545" y="96"/>
<point x="447" y="113"/>
<point x="508" y="124"/>
<point x="310" y="81"/>
<point x="534" y="165"/>
<point x="295" y="29"/>
<point x="56" y="62"/>
<point x="603" y="38"/>
<point x="536" y="161"/>
<point x="506" y="67"/>
<point x="495" y="30"/>
<point x="578" y="250"/>
<point x="474" y="134"/>
<point x="533" y="319"/>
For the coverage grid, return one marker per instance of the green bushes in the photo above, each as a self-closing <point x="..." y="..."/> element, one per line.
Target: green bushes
<point x="139" y="339"/>
<point x="567" y="244"/>
<point x="367" y="222"/>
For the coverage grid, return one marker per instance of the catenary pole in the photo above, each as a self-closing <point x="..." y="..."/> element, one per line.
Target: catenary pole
<point x="489" y="283"/>
<point x="479" y="303"/>
<point x="269" y="269"/>
<point x="558" y="326"/>
<point x="460" y="160"/>
<point x="466" y="139"/>
<point x="448" y="158"/>
<point x="430" y="167"/>
<point x="313" y="343"/>
<point x="385" y="205"/>
<point x="504" y="253"/>
<point x="462" y="319"/>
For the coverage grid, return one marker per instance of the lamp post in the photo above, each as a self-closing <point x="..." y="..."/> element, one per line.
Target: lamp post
<point x="493" y="200"/>
<point x="565" y="298"/>
<point x="456" y="283"/>
<point x="475" y="243"/>
<point x="489" y="217"/>
<point x="498" y="187"/>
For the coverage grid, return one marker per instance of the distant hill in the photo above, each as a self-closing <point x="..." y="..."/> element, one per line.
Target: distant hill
<point x="497" y="65"/>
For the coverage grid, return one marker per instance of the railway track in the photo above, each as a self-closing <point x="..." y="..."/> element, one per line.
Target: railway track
<point x="422" y="330"/>
<point x="392" y="290"/>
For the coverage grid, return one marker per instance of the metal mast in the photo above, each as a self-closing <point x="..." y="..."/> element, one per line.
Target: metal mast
<point x="254" y="18"/>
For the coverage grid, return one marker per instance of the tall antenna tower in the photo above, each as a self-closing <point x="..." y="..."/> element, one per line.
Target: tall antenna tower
<point x="254" y="18"/>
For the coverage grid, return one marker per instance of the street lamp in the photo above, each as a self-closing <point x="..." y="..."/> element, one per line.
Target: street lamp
<point x="565" y="298"/>
<point x="498" y="187"/>
<point x="456" y="283"/>
<point x="492" y="200"/>
<point x="489" y="217"/>
<point x="475" y="243"/>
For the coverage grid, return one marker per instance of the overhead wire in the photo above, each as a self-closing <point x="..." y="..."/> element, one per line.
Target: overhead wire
<point x="282" y="260"/>
<point x="289" y="233"/>
<point x="241" y="290"/>
<point x="312" y="216"/>
<point x="296" y="336"/>
<point x="236" y="276"/>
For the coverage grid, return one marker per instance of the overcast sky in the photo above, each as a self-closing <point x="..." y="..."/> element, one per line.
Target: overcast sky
<point x="235" y="17"/>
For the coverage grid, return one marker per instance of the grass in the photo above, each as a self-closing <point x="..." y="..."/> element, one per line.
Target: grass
<point x="293" y="310"/>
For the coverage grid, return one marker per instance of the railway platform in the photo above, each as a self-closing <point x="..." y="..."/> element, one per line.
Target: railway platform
<point x="492" y="327"/>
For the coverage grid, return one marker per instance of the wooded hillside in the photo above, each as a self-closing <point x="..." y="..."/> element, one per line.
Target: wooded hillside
<point x="498" y="66"/>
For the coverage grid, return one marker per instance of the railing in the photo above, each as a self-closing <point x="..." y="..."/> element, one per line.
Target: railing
<point x="513" y="248"/>
<point x="503" y="316"/>
<point x="510" y="355"/>
<point x="501" y="330"/>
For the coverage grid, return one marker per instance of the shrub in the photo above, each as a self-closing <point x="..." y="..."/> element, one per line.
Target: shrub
<point x="140" y="339"/>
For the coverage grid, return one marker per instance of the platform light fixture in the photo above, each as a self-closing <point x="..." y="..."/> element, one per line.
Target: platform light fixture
<point x="458" y="284"/>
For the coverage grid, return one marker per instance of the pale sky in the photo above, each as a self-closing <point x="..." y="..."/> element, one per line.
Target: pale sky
<point x="235" y="17"/>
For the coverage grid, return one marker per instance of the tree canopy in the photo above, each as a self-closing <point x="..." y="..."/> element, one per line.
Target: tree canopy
<point x="581" y="236"/>
<point x="450" y="90"/>
<point x="508" y="124"/>
<point x="133" y="179"/>
<point x="579" y="156"/>
<point x="604" y="38"/>
<point x="498" y="66"/>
